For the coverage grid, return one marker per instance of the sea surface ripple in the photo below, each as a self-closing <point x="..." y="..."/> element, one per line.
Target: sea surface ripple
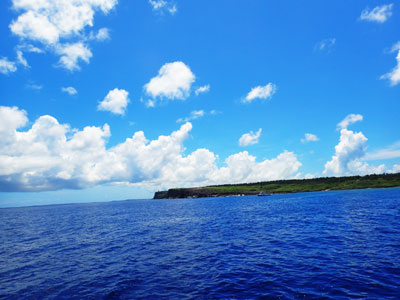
<point x="323" y="245"/>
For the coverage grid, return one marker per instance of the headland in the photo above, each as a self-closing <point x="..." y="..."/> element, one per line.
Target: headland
<point x="284" y="186"/>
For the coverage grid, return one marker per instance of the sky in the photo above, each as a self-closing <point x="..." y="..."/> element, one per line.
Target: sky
<point x="104" y="100"/>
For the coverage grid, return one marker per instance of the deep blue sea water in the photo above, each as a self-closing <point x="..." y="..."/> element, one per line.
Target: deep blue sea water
<point x="324" y="245"/>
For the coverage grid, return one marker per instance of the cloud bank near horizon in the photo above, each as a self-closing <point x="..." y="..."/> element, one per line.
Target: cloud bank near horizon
<point x="53" y="156"/>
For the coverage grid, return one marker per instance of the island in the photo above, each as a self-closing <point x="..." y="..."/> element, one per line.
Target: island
<point x="284" y="186"/>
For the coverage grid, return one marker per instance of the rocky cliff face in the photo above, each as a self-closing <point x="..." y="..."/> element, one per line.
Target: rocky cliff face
<point x="197" y="193"/>
<point x="182" y="193"/>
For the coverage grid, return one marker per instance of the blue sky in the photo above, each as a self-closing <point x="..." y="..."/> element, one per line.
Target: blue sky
<point x="105" y="99"/>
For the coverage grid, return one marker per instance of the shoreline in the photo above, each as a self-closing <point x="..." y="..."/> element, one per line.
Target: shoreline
<point x="284" y="186"/>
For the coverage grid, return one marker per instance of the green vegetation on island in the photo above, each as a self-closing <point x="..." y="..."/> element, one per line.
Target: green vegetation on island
<point x="285" y="186"/>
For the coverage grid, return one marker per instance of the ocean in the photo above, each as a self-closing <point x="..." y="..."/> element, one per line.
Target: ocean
<point x="320" y="245"/>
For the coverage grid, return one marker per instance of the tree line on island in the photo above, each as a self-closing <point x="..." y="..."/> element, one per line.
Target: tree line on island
<point x="285" y="186"/>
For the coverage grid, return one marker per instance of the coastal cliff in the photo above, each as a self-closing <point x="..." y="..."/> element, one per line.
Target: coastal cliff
<point x="284" y="186"/>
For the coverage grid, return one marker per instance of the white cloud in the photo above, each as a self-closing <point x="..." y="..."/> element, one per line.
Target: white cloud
<point x="35" y="26"/>
<point x="202" y="89"/>
<point x="309" y="176"/>
<point x="173" y="9"/>
<point x="150" y="103"/>
<point x="390" y="152"/>
<point x="260" y="92"/>
<point x="101" y="35"/>
<point x="379" y="14"/>
<point x="52" y="156"/>
<point x="29" y="48"/>
<point x="7" y="66"/>
<point x="383" y="154"/>
<point x="70" y="90"/>
<point x="350" y="119"/>
<point x="162" y="6"/>
<point x="309" y="137"/>
<point x="71" y="54"/>
<point x="173" y="81"/>
<point x="21" y="59"/>
<point x="157" y="4"/>
<point x="11" y="119"/>
<point x="196" y="114"/>
<point x="350" y="148"/>
<point x="395" y="169"/>
<point x="250" y="138"/>
<point x="350" y="153"/>
<point x="116" y="101"/>
<point x="394" y="75"/>
<point x="34" y="86"/>
<point x="325" y="45"/>
<point x="215" y="112"/>
<point x="47" y="21"/>
<point x="348" y="156"/>
<point x="53" y="22"/>
<point x="242" y="167"/>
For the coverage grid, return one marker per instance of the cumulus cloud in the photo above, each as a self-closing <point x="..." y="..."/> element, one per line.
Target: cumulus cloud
<point x="53" y="22"/>
<point x="350" y="119"/>
<point x="11" y="119"/>
<point x="173" y="81"/>
<point x="250" y="138"/>
<point x="71" y="54"/>
<point x="325" y="45"/>
<point x="243" y="167"/>
<point x="350" y="148"/>
<point x="395" y="169"/>
<point x="202" y="89"/>
<point x="379" y="14"/>
<point x="260" y="92"/>
<point x="6" y="66"/>
<point x="69" y="90"/>
<point x="394" y="75"/>
<point x="196" y="114"/>
<point x="350" y="153"/>
<point x="48" y="21"/>
<point x="162" y="6"/>
<point x="309" y="137"/>
<point x="348" y="156"/>
<point x="116" y="101"/>
<point x="52" y="156"/>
